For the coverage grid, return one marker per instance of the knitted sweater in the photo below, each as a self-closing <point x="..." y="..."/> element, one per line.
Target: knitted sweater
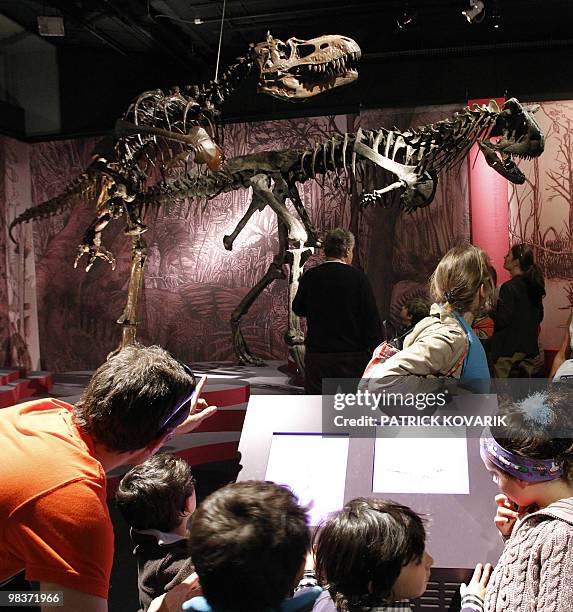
<point x="535" y="570"/>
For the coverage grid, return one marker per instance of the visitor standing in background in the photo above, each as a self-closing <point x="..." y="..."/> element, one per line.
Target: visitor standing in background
<point x="518" y="314"/>
<point x="341" y="314"/>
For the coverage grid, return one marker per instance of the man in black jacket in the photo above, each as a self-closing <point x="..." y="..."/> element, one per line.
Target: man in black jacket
<point x="342" y="317"/>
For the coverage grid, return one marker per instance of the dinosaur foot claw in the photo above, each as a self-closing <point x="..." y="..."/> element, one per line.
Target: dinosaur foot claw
<point x="94" y="252"/>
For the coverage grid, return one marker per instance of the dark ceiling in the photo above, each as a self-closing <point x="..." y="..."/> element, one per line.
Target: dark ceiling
<point x="114" y="49"/>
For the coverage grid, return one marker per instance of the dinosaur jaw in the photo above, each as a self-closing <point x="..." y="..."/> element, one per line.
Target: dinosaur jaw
<point x="297" y="70"/>
<point x="502" y="163"/>
<point x="515" y="134"/>
<point x="308" y="80"/>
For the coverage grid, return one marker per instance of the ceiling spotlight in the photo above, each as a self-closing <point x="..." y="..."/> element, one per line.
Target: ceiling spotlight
<point x="406" y="19"/>
<point x="496" y="17"/>
<point x="475" y="9"/>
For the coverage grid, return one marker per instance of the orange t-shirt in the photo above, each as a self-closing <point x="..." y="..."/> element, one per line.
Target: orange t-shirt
<point x="54" y="520"/>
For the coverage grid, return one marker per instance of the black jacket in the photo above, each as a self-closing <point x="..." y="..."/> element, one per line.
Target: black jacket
<point x="516" y="318"/>
<point x="340" y="309"/>
<point x="159" y="567"/>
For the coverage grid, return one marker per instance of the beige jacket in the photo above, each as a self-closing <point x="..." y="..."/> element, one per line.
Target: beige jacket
<point x="435" y="347"/>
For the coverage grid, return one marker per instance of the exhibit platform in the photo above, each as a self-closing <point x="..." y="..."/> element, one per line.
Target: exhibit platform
<point x="17" y="385"/>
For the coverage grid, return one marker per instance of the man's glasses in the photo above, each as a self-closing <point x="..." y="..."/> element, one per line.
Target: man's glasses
<point x="180" y="412"/>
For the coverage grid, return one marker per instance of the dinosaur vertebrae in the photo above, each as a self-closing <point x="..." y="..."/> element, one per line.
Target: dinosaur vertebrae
<point x="178" y="110"/>
<point x="429" y="147"/>
<point x="83" y="186"/>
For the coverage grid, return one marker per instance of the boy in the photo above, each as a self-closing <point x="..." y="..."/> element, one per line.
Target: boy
<point x="157" y="498"/>
<point x="248" y="542"/>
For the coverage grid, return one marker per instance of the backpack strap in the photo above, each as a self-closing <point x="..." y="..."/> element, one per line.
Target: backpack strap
<point x="462" y="360"/>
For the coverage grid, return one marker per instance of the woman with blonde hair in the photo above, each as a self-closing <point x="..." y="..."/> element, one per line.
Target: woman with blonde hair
<point x="443" y="344"/>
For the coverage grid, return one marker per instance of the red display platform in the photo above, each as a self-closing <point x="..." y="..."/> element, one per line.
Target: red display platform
<point x="217" y="439"/>
<point x="16" y="385"/>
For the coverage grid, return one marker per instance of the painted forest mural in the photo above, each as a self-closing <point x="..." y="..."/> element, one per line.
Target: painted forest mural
<point x="192" y="283"/>
<point x="541" y="215"/>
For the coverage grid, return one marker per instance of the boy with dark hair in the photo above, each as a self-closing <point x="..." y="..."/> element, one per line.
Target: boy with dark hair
<point x="54" y="456"/>
<point x="157" y="498"/>
<point x="249" y="542"/>
<point x="371" y="555"/>
<point x="413" y="312"/>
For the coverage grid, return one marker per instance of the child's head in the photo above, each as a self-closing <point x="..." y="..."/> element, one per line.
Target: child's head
<point x="462" y="279"/>
<point x="158" y="494"/>
<point x="372" y="550"/>
<point x="533" y="448"/>
<point x="248" y="542"/>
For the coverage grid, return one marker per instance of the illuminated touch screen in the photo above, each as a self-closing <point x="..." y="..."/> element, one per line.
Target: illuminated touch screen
<point x="421" y="465"/>
<point x="313" y="467"/>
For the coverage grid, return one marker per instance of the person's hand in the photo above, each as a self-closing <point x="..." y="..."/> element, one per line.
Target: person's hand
<point x="198" y="412"/>
<point x="506" y="515"/>
<point x="177" y="596"/>
<point x="478" y="584"/>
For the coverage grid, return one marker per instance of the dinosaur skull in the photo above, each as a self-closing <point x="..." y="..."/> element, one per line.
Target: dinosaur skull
<point x="514" y="134"/>
<point x="300" y="69"/>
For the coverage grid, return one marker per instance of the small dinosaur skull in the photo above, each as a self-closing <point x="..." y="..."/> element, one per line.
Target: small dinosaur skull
<point x="300" y="69"/>
<point x="515" y="134"/>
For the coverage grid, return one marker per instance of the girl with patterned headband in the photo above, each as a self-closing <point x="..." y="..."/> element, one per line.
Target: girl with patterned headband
<point x="531" y="461"/>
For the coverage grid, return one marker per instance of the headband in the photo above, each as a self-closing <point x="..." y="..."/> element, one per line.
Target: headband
<point x="180" y="411"/>
<point x="522" y="468"/>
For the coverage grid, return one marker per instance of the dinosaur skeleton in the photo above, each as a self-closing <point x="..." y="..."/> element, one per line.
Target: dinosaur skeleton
<point x="415" y="157"/>
<point x="161" y="130"/>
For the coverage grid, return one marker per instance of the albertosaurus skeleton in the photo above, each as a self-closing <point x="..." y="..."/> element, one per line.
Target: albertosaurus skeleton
<point x="160" y="130"/>
<point x="415" y="157"/>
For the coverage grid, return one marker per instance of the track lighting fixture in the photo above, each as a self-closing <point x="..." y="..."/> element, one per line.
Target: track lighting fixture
<point x="475" y="10"/>
<point x="407" y="18"/>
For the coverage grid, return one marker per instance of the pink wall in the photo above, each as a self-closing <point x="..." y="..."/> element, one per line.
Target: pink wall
<point x="489" y="206"/>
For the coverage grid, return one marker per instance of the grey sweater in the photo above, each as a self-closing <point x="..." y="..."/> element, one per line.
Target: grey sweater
<point x="535" y="570"/>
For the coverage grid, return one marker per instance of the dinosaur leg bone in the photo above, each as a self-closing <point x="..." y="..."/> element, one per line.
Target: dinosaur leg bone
<point x="295" y="198"/>
<point x="257" y="204"/>
<point x="128" y="318"/>
<point x="291" y="235"/>
<point x="294" y="337"/>
<point x="276" y="199"/>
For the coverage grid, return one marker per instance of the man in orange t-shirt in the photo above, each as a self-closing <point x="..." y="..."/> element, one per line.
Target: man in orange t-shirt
<point x="54" y="521"/>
